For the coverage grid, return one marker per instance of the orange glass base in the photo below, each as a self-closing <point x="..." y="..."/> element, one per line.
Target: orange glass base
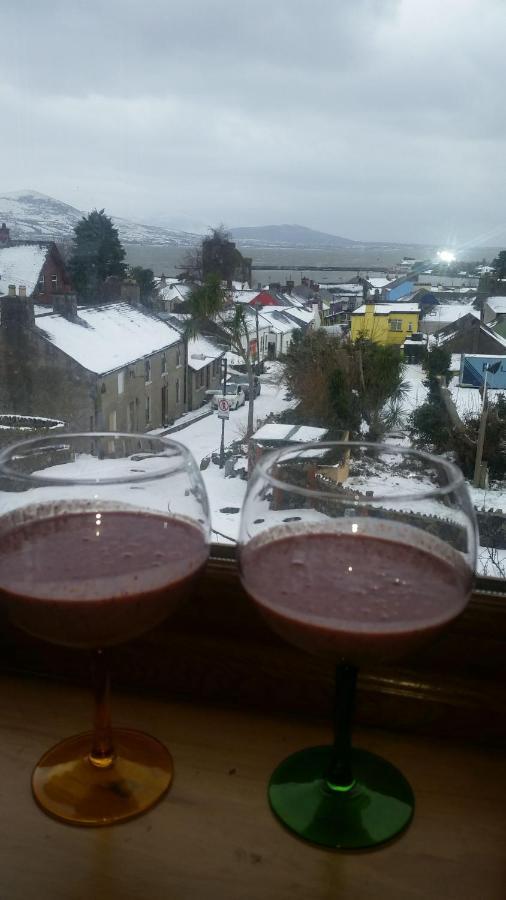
<point x="68" y="787"/>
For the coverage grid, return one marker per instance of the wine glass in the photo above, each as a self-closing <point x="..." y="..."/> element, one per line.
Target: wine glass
<point x="361" y="553"/>
<point x="100" y="538"/>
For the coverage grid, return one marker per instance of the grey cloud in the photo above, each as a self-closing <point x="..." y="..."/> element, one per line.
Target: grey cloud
<point x="365" y="118"/>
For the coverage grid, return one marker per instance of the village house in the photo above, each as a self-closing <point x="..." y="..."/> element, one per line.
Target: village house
<point x="204" y="369"/>
<point x="109" y="367"/>
<point x="36" y="265"/>
<point x="443" y="314"/>
<point x="494" y="310"/>
<point x="385" y="323"/>
<point x="469" y="335"/>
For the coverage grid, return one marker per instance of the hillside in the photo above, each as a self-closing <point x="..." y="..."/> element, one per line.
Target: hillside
<point x="36" y="216"/>
<point x="290" y="236"/>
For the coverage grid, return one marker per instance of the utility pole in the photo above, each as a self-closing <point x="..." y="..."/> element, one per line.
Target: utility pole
<point x="258" y="339"/>
<point x="493" y="368"/>
<point x="222" y="445"/>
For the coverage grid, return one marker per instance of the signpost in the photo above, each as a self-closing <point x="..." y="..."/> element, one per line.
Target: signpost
<point x="223" y="408"/>
<point x="223" y="412"/>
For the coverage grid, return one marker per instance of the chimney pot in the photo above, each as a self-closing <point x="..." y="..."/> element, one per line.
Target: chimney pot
<point x="22" y="290"/>
<point x="12" y="290"/>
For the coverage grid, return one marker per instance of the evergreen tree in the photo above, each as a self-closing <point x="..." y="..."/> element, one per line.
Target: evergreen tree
<point x="146" y="281"/>
<point x="96" y="254"/>
<point x="220" y="256"/>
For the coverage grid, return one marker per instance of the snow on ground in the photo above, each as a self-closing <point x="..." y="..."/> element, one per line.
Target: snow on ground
<point x="417" y="393"/>
<point x="203" y="437"/>
<point x="468" y="399"/>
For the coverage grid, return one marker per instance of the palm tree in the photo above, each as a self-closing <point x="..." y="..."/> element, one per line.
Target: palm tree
<point x="210" y="304"/>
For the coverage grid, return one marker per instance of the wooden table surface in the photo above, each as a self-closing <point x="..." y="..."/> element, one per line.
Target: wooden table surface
<point x="213" y="836"/>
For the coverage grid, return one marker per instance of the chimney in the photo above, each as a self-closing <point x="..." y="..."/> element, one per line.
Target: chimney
<point x="289" y="286"/>
<point x="5" y="235"/>
<point x="65" y="305"/>
<point x="16" y="312"/>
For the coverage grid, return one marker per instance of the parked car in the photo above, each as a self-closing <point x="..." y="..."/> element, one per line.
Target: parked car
<point x="244" y="382"/>
<point x="234" y="394"/>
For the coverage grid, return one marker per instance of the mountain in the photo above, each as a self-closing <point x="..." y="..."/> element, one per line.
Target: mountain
<point x="290" y="236"/>
<point x="34" y="216"/>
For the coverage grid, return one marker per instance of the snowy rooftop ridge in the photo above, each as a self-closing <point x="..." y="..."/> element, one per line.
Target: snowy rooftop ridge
<point x="108" y="337"/>
<point x="21" y="265"/>
<point x="384" y="309"/>
<point x="202" y="351"/>
<point x="450" y="312"/>
<point x="497" y="304"/>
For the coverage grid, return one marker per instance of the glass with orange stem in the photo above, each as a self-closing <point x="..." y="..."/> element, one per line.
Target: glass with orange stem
<point x="360" y="553"/>
<point x="101" y="536"/>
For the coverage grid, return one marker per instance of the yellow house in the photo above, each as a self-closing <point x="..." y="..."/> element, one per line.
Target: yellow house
<point x="385" y="323"/>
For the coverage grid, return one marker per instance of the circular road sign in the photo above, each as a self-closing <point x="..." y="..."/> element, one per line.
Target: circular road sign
<point x="223" y="408"/>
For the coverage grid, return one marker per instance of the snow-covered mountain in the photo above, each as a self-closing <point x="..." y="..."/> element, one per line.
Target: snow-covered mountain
<point x="34" y="216"/>
<point x="290" y="236"/>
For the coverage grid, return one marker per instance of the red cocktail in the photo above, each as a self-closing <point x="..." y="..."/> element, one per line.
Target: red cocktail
<point x="100" y="539"/>
<point x="359" y="576"/>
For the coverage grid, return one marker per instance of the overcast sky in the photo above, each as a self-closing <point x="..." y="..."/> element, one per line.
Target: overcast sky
<point x="373" y="119"/>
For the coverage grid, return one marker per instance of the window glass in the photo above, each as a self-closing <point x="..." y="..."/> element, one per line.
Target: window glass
<point x="334" y="222"/>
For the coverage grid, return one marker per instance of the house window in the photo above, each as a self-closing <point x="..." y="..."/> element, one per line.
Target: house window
<point x="200" y="378"/>
<point x="121" y="382"/>
<point x="148" y="409"/>
<point x="410" y="326"/>
<point x="164" y="364"/>
<point x="177" y="390"/>
<point x="147" y="371"/>
<point x="178" y="356"/>
<point x="54" y="282"/>
<point x="395" y="324"/>
<point x="42" y="284"/>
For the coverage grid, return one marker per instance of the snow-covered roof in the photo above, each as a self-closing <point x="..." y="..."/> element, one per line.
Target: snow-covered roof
<point x="345" y="287"/>
<point x="450" y="312"/>
<point x="497" y="304"/>
<point x="385" y="309"/>
<point x="204" y="348"/>
<point x="279" y="322"/>
<point x="108" y="337"/>
<point x="292" y="433"/>
<point x="244" y="296"/>
<point x="443" y="338"/>
<point x="378" y="283"/>
<point x="301" y="315"/>
<point x="176" y="291"/>
<point x="21" y="265"/>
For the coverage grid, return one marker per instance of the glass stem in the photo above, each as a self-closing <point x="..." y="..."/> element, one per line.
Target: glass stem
<point x="102" y="751"/>
<point x="339" y="776"/>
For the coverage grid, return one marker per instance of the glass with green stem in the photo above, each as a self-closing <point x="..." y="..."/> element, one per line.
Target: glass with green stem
<point x="361" y="553"/>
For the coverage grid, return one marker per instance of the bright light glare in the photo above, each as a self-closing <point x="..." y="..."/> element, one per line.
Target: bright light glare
<point x="446" y="256"/>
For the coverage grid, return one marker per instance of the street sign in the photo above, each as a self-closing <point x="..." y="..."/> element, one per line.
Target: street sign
<point x="223" y="408"/>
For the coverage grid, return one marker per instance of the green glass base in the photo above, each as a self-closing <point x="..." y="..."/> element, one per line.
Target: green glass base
<point x="375" y="809"/>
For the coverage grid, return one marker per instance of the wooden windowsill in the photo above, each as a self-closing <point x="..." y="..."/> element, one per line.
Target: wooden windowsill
<point x="214" y="838"/>
<point x="217" y="649"/>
